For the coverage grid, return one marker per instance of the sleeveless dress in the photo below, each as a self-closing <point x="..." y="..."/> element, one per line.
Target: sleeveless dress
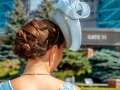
<point x="7" y="86"/>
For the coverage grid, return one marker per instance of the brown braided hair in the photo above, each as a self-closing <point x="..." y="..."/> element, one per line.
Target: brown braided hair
<point x="36" y="38"/>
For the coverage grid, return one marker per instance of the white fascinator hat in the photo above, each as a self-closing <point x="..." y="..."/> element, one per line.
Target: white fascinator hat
<point x="67" y="18"/>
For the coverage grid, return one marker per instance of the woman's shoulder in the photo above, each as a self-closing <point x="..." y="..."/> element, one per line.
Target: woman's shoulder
<point x="5" y="86"/>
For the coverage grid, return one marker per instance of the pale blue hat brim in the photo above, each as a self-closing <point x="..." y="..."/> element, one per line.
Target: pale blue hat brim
<point x="66" y="17"/>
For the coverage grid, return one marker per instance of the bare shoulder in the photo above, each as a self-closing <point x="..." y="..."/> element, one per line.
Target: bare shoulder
<point x="14" y="83"/>
<point x="58" y="80"/>
<point x="76" y="87"/>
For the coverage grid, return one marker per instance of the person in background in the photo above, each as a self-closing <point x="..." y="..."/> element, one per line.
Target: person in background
<point x="41" y="43"/>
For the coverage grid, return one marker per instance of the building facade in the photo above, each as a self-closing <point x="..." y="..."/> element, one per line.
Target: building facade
<point x="108" y="14"/>
<point x="102" y="28"/>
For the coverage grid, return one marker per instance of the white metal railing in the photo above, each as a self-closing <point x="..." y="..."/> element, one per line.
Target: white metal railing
<point x="94" y="84"/>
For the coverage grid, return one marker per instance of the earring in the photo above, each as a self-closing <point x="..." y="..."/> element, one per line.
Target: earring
<point x="53" y="58"/>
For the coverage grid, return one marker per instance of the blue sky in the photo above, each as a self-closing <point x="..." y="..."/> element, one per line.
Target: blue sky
<point x="34" y="4"/>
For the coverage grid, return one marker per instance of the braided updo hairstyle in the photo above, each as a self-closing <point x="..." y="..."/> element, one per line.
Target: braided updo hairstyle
<point x="36" y="38"/>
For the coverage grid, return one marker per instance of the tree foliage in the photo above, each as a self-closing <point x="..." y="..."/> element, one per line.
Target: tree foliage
<point x="14" y="20"/>
<point x="45" y="9"/>
<point x="73" y="64"/>
<point x="105" y="65"/>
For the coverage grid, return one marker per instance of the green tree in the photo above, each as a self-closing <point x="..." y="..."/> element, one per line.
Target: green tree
<point x="14" y="20"/>
<point x="73" y="64"/>
<point x="45" y="9"/>
<point x="105" y="65"/>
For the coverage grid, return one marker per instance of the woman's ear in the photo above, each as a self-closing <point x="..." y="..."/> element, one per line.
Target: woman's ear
<point x="53" y="52"/>
<point x="52" y="56"/>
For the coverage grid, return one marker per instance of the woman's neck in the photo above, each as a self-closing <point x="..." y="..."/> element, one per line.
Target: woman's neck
<point x="35" y="66"/>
